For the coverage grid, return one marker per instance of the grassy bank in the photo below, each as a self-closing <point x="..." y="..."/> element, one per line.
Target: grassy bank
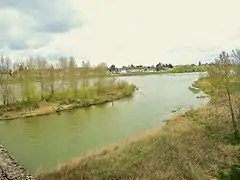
<point x="37" y="88"/>
<point x="195" y="145"/>
<point x="83" y="97"/>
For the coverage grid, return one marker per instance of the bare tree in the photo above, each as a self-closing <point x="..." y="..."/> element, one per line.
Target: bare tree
<point x="85" y="72"/>
<point x="100" y="72"/>
<point x="28" y="83"/>
<point x="52" y="80"/>
<point x="72" y="76"/>
<point x="222" y="80"/>
<point x="63" y="70"/>
<point x="4" y="64"/>
<point x="41" y="74"/>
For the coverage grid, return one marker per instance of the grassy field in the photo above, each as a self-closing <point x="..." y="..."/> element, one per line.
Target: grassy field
<point x="196" y="145"/>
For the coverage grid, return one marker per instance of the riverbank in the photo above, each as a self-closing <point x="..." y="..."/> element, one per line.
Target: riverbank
<point x="198" y="144"/>
<point x="10" y="168"/>
<point x="176" y="70"/>
<point x="90" y="98"/>
<point x="194" y="145"/>
<point x="51" y="108"/>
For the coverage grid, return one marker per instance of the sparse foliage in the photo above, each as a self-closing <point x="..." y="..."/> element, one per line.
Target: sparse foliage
<point x="39" y="81"/>
<point x="223" y="79"/>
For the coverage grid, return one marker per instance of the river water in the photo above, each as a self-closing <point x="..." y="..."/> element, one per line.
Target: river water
<point x="44" y="142"/>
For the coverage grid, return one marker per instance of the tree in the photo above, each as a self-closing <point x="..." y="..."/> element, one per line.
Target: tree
<point x="112" y="68"/>
<point x="159" y="67"/>
<point x="52" y="80"/>
<point x="72" y="75"/>
<point x="170" y="66"/>
<point x="6" y="87"/>
<point x="223" y="81"/>
<point x="101" y="71"/>
<point x="63" y="65"/>
<point x="85" y="72"/>
<point x="199" y="63"/>
<point x="28" y="85"/>
<point x="41" y="72"/>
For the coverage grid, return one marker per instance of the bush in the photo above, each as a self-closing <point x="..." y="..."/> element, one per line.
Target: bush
<point x="233" y="174"/>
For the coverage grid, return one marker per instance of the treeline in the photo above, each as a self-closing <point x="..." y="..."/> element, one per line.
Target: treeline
<point x="189" y="68"/>
<point x="34" y="80"/>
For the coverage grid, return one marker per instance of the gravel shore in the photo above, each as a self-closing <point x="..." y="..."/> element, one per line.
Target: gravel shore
<point x="10" y="169"/>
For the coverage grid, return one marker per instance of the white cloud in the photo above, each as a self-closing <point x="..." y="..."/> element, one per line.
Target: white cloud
<point x="148" y="31"/>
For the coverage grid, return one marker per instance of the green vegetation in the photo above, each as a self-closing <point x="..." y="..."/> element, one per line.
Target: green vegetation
<point x="194" y="90"/>
<point x="141" y="73"/>
<point x="49" y="88"/>
<point x="225" y="85"/>
<point x="188" y="68"/>
<point x="197" y="145"/>
<point x="175" y="69"/>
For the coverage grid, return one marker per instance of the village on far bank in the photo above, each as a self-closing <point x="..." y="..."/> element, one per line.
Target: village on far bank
<point x="139" y="68"/>
<point x="154" y="68"/>
<point x="38" y="65"/>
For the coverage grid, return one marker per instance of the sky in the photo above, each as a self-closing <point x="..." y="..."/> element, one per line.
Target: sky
<point x="120" y="32"/>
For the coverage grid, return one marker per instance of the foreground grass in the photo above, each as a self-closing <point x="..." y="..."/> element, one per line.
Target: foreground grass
<point x="195" y="145"/>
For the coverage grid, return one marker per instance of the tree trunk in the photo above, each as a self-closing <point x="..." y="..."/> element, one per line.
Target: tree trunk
<point x="42" y="96"/>
<point x="52" y="89"/>
<point x="236" y="131"/>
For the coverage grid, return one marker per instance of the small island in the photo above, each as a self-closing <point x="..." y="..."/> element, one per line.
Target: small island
<point x="35" y="87"/>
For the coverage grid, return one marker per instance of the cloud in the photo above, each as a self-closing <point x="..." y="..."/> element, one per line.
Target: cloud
<point x="18" y="45"/>
<point x="17" y="31"/>
<point x="121" y="32"/>
<point x="56" y="26"/>
<point x="27" y="24"/>
<point x="53" y="17"/>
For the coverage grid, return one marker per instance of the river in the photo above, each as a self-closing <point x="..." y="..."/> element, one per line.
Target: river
<point x="44" y="142"/>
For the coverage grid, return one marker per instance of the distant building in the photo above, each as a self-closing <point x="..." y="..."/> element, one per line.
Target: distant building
<point x="123" y="71"/>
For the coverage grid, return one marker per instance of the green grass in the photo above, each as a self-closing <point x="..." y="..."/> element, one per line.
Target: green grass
<point x="188" y="68"/>
<point x="232" y="174"/>
<point x="204" y="85"/>
<point x="98" y="91"/>
<point x="194" y="90"/>
<point x="191" y="146"/>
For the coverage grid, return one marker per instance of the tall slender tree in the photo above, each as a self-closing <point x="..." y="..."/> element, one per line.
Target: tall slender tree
<point x="222" y="80"/>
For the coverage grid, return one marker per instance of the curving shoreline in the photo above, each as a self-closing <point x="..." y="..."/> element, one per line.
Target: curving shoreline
<point x="160" y="153"/>
<point x="154" y="153"/>
<point x="182" y="149"/>
<point x="10" y="168"/>
<point x="57" y="108"/>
